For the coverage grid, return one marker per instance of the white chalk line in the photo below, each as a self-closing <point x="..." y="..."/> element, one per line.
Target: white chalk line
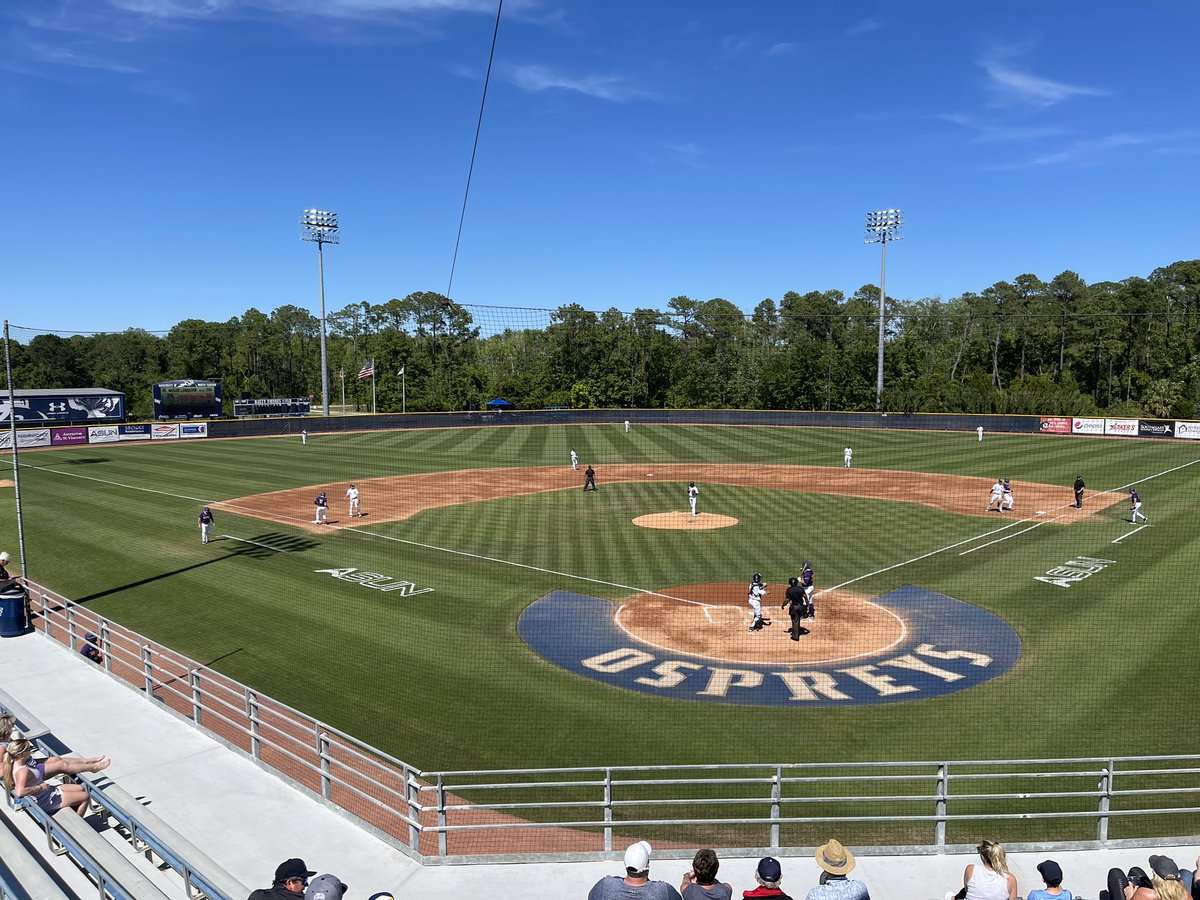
<point x="1128" y="533"/>
<point x="1010" y="536"/>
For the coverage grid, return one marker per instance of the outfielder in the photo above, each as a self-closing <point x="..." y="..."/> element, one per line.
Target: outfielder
<point x="322" y="505"/>
<point x="352" y="496"/>
<point x="693" y="496"/>
<point x="1136" y="511"/>
<point x="1007" y="498"/>
<point x="303" y="438"/>
<point x="754" y="596"/>
<point x="997" y="496"/>
<point x="847" y="455"/>
<point x="574" y="460"/>
<point x="206" y="523"/>
<point x="979" y="431"/>
<point x="627" y="426"/>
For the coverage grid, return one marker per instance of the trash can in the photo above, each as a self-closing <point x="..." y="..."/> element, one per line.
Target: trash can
<point x="14" y="609"/>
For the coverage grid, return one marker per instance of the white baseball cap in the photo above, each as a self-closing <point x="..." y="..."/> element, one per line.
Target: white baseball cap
<point x="637" y="857"/>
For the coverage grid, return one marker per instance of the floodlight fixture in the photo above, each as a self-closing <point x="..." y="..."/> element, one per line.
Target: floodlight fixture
<point x="883" y="226"/>
<point x="321" y="227"/>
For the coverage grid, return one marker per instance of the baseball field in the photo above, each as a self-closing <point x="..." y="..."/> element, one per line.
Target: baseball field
<point x="486" y="612"/>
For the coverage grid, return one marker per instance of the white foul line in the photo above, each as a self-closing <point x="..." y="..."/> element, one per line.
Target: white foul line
<point x="1128" y="533"/>
<point x="1007" y="536"/>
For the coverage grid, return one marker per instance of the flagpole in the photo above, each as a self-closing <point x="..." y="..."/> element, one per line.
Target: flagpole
<point x="372" y="389"/>
<point x="342" y="375"/>
<point x="403" y="390"/>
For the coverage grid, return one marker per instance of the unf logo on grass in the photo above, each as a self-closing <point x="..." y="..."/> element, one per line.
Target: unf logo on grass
<point x="946" y="646"/>
<point x="374" y="580"/>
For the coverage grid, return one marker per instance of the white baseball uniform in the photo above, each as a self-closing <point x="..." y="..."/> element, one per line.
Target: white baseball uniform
<point x="757" y="592"/>
<point x="846" y="456"/>
<point x="574" y="460"/>
<point x="627" y="426"/>
<point x="997" y="495"/>
<point x="352" y="496"/>
<point x="304" y="437"/>
<point x="979" y="431"/>
<point x="693" y="496"/>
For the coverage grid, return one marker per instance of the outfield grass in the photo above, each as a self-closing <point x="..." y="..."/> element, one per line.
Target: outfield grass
<point x="442" y="680"/>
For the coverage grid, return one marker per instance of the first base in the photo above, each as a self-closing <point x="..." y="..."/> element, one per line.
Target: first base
<point x="1040" y="512"/>
<point x="649" y="474"/>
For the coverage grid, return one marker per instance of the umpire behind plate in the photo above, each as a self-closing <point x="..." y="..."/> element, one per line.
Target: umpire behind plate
<point x="797" y="606"/>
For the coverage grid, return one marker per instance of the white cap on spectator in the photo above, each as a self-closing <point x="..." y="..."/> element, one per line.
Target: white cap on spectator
<point x="637" y="857"/>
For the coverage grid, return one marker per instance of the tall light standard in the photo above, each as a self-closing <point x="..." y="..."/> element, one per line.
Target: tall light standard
<point x="882" y="226"/>
<point x="322" y="227"/>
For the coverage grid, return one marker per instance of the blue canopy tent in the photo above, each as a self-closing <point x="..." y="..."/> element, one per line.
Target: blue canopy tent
<point x="498" y="403"/>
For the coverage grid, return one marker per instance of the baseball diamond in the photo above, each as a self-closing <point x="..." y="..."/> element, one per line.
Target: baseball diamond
<point x="412" y="627"/>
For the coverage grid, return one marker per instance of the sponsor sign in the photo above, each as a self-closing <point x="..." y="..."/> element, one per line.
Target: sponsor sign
<point x="164" y="432"/>
<point x="1056" y="424"/>
<point x="1155" y="429"/>
<point x="948" y="646"/>
<point x="103" y="434"/>
<point x="1121" y="427"/>
<point x="1087" y="426"/>
<point x="64" y="408"/>
<point x="193" y="430"/>
<point x="134" y="432"/>
<point x="1188" y="430"/>
<point x="29" y="437"/>
<point x="60" y="436"/>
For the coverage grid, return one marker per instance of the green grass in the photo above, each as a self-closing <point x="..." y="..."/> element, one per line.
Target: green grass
<point x="442" y="680"/>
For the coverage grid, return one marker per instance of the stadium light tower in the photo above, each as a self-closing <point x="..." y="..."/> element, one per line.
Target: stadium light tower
<point x="882" y="226"/>
<point x="322" y="227"/>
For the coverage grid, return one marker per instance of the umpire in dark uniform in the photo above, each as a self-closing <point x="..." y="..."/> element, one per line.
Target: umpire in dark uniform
<point x="796" y="603"/>
<point x="589" y="479"/>
<point x="1079" y="486"/>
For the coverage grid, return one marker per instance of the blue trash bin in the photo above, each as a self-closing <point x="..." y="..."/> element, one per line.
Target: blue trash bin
<point x="14" y="609"/>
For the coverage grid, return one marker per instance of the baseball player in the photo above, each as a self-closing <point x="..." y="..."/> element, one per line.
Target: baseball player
<point x="997" y="496"/>
<point x="795" y="605"/>
<point x="1136" y="511"/>
<point x="574" y="460"/>
<point x="693" y="496"/>
<point x="1079" y="486"/>
<point x="627" y="426"/>
<point x="754" y="596"/>
<point x="322" y="505"/>
<point x="206" y="524"/>
<point x="352" y="496"/>
<point x="847" y="455"/>
<point x="589" y="479"/>
<point x="979" y="431"/>
<point x="1007" y="496"/>
<point x="806" y="583"/>
<point x="304" y="438"/>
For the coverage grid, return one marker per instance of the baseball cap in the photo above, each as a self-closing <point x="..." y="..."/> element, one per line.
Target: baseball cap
<point x="1164" y="867"/>
<point x="382" y="895"/>
<point x="769" y="869"/>
<point x="325" y="887"/>
<point x="292" y="868"/>
<point x="1051" y="871"/>
<point x="637" y="857"/>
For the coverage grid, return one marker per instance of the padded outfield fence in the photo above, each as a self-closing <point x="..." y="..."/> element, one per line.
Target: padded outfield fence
<point x="581" y="812"/>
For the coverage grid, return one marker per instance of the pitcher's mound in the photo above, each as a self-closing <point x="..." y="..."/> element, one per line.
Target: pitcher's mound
<point x="685" y="520"/>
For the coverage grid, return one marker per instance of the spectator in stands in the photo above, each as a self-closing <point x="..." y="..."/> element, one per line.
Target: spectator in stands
<point x="636" y="882"/>
<point x="291" y="878"/>
<point x="991" y="880"/>
<point x="91" y="649"/>
<point x="325" y="887"/>
<point x="1191" y="886"/>
<point x="768" y="875"/>
<point x="701" y="882"/>
<point x="836" y="862"/>
<point x="7" y="724"/>
<point x="1166" y="883"/>
<point x="23" y="777"/>
<point x="1052" y="875"/>
<point x="4" y="561"/>
<point x="54" y="765"/>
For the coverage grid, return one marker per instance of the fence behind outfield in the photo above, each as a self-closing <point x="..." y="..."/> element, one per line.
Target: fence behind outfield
<point x="578" y="812"/>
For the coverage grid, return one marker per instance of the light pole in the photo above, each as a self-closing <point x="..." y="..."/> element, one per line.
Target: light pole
<point x="882" y="226"/>
<point x="322" y="227"/>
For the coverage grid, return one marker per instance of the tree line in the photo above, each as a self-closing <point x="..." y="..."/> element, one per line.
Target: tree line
<point x="1060" y="347"/>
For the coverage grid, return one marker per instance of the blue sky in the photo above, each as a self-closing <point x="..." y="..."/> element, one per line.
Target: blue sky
<point x="158" y="153"/>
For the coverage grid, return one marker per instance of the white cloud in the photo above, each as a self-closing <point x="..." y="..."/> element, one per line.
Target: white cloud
<point x="613" y="88"/>
<point x="782" y="48"/>
<point x="863" y="26"/>
<point x="1030" y="89"/>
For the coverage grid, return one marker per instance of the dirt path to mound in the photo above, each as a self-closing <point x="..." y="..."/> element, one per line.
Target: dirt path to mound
<point x="398" y="497"/>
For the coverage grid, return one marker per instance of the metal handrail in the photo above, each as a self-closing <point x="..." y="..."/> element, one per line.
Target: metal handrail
<point x="420" y="811"/>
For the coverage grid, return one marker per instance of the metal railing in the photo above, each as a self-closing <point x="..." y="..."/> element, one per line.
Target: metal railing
<point x="579" y="812"/>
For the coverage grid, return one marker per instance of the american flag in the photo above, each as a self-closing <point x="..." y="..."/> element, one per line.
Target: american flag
<point x="367" y="371"/>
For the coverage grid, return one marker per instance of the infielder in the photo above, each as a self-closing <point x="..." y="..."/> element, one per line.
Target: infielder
<point x="574" y="460"/>
<point x="847" y="455"/>
<point x="693" y="496"/>
<point x="206" y="524"/>
<point x="1008" y="498"/>
<point x="322" y="505"/>
<point x="795" y="604"/>
<point x="754" y="596"/>
<point x="997" y="495"/>
<point x="352" y="496"/>
<point x="1136" y="501"/>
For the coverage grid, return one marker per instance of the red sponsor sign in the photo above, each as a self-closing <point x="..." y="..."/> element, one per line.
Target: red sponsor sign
<point x="1056" y="424"/>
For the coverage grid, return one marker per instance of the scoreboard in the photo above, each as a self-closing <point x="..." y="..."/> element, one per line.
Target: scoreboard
<point x="292" y="406"/>
<point x="187" y="399"/>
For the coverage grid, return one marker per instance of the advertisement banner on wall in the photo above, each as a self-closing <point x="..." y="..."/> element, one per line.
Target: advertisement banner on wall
<point x="1056" y="425"/>
<point x="103" y="434"/>
<point x="164" y="432"/>
<point x="134" y="432"/>
<point x="193" y="429"/>
<point x="61" y="436"/>
<point x="1155" y="428"/>
<point x="1188" y="430"/>
<point x="1121" y="427"/>
<point x="1087" y="426"/>
<point x="29" y="437"/>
